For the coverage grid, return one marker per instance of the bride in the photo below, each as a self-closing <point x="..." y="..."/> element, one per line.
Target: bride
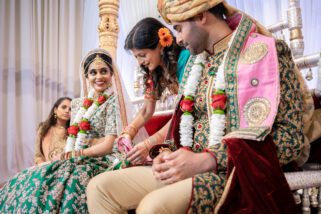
<point x="59" y="186"/>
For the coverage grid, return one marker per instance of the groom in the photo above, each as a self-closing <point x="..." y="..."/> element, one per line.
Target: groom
<point x="250" y="89"/>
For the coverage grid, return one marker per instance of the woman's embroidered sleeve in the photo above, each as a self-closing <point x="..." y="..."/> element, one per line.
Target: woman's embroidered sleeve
<point x="38" y="154"/>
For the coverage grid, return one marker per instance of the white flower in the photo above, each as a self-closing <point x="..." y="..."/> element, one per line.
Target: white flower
<point x="186" y="130"/>
<point x="70" y="144"/>
<point x="81" y="140"/>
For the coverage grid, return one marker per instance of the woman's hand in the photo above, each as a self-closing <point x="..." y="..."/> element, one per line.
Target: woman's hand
<point x="138" y="154"/>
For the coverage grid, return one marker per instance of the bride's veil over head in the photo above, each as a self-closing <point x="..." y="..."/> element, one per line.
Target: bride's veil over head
<point x="124" y="112"/>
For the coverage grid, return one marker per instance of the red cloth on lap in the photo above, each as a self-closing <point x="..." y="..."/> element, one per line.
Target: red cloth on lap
<point x="258" y="184"/>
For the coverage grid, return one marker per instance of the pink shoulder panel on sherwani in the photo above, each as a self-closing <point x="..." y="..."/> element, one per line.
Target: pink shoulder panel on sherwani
<point x="258" y="82"/>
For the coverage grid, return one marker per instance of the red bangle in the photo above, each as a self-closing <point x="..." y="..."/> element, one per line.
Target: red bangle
<point x="206" y="150"/>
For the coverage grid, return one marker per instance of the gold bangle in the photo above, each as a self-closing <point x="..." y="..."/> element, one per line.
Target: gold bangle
<point x="130" y="130"/>
<point x="159" y="137"/>
<point x="146" y="144"/>
<point x="133" y="127"/>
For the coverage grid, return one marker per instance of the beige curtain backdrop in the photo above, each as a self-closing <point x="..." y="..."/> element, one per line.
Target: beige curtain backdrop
<point x="40" y="52"/>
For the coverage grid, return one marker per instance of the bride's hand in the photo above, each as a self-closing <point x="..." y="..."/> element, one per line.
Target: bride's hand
<point x="124" y="143"/>
<point x="138" y="154"/>
<point x="63" y="156"/>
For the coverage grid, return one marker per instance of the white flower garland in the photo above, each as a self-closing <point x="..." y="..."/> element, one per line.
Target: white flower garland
<point x="187" y="121"/>
<point x="217" y="121"/>
<point x="81" y="140"/>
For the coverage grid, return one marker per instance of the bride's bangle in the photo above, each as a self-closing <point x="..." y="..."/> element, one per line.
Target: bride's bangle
<point x="81" y="152"/>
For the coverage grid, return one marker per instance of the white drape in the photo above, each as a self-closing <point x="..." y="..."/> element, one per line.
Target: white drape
<point x="41" y="46"/>
<point x="42" y="43"/>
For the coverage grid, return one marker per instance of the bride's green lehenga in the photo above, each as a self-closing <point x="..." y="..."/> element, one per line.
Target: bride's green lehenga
<point x="60" y="187"/>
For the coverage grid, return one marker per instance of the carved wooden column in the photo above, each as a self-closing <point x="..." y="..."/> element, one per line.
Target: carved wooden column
<point x="108" y="36"/>
<point x="108" y="26"/>
<point x="295" y="27"/>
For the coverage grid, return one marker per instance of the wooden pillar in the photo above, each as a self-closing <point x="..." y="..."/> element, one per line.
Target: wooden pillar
<point x="295" y="27"/>
<point x="108" y="36"/>
<point x="108" y="26"/>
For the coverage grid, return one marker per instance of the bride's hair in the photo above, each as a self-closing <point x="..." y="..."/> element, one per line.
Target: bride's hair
<point x="144" y="35"/>
<point x="107" y="59"/>
<point x="51" y="120"/>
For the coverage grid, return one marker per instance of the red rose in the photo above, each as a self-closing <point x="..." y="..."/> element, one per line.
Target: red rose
<point x="101" y="99"/>
<point x="84" y="125"/>
<point x="87" y="103"/>
<point x="73" y="130"/>
<point x="150" y="84"/>
<point x="187" y="105"/>
<point x="218" y="101"/>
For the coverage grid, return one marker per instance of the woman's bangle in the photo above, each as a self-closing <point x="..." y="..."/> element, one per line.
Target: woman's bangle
<point x="159" y="137"/>
<point x="146" y="143"/>
<point x="130" y="130"/>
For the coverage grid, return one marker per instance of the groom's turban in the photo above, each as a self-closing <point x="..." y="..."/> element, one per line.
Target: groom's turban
<point x="181" y="10"/>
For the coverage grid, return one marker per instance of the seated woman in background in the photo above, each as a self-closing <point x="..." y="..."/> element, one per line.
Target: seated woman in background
<point x="52" y="133"/>
<point x="59" y="187"/>
<point x="162" y="62"/>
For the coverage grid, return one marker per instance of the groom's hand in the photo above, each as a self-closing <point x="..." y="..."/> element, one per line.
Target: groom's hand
<point x="181" y="164"/>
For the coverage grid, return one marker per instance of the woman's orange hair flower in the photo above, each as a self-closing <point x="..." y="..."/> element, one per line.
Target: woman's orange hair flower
<point x="166" y="41"/>
<point x="165" y="37"/>
<point x="163" y="32"/>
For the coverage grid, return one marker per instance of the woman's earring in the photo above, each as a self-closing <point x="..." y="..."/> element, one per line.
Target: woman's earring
<point x="55" y="116"/>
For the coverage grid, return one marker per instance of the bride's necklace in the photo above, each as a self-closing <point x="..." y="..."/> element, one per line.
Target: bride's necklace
<point x="78" y="131"/>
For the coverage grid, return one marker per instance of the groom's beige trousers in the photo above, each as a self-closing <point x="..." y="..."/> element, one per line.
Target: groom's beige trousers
<point x="135" y="187"/>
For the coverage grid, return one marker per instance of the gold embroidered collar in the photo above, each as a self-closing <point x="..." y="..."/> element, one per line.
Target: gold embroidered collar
<point x="222" y="44"/>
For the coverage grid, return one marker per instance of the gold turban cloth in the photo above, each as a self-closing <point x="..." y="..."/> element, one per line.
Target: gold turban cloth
<point x="181" y="10"/>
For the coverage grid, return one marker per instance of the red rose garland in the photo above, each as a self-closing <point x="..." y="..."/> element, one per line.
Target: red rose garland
<point x="84" y="125"/>
<point x="187" y="104"/>
<point x="78" y="130"/>
<point x="73" y="130"/>
<point x="219" y="102"/>
<point x="87" y="103"/>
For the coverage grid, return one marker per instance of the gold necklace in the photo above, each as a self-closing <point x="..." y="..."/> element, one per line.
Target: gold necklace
<point x="59" y="127"/>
